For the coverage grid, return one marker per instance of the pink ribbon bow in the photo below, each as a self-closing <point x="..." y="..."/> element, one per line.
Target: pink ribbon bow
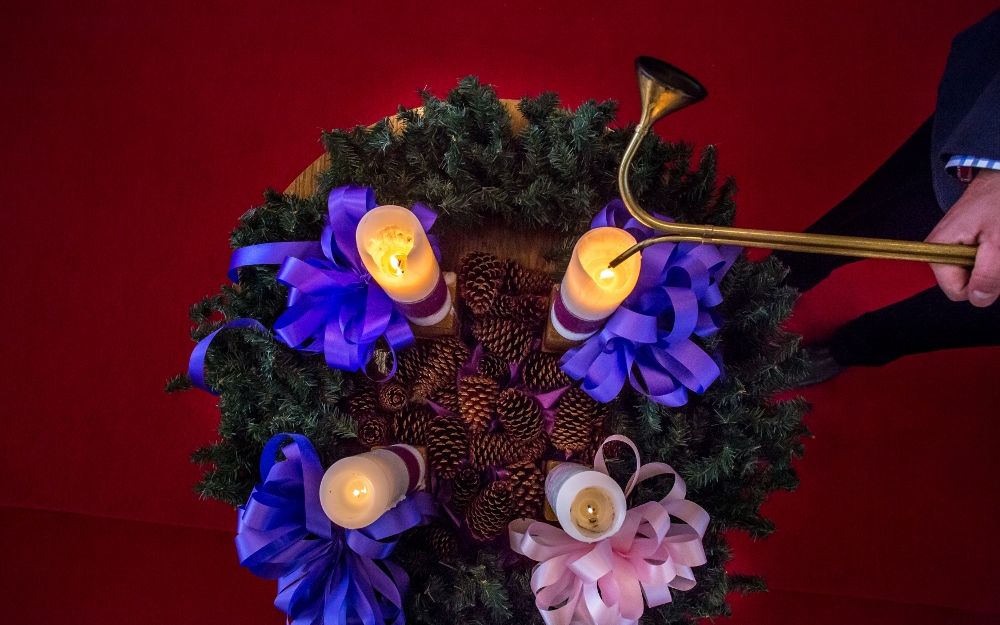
<point x="610" y="582"/>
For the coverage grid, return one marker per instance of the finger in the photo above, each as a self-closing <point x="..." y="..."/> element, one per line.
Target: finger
<point x="984" y="284"/>
<point x="953" y="280"/>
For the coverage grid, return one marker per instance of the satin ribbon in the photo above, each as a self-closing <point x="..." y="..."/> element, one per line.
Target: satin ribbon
<point x="610" y="582"/>
<point x="196" y="363"/>
<point x="326" y="575"/>
<point x="334" y="306"/>
<point x="647" y="341"/>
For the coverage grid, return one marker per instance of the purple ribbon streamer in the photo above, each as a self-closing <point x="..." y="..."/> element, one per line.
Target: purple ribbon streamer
<point x="326" y="575"/>
<point x="647" y="341"/>
<point x="196" y="363"/>
<point x="334" y="306"/>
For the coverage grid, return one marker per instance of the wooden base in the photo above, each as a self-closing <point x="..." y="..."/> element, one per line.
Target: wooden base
<point x="447" y="326"/>
<point x="552" y="341"/>
<point x="547" y="512"/>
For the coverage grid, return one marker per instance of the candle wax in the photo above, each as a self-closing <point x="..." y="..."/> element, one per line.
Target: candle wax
<point x="394" y="249"/>
<point x="389" y="248"/>
<point x="357" y="490"/>
<point x="592" y="289"/>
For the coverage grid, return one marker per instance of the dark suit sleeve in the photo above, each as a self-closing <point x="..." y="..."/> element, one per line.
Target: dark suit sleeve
<point x="978" y="134"/>
<point x="967" y="119"/>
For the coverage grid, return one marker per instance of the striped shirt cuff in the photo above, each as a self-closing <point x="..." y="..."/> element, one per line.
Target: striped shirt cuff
<point x="960" y="160"/>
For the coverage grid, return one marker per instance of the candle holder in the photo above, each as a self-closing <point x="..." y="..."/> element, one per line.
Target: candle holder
<point x="547" y="512"/>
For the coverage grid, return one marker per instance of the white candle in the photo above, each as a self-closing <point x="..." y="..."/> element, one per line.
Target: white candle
<point x="588" y="504"/>
<point x="395" y="251"/>
<point x="591" y="290"/>
<point x="357" y="490"/>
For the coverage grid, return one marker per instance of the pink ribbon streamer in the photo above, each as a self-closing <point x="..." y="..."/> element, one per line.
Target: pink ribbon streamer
<point x="611" y="581"/>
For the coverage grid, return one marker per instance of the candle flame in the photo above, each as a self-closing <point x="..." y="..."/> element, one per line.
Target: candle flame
<point x="397" y="264"/>
<point x="592" y="510"/>
<point x="389" y="248"/>
<point x="607" y="274"/>
<point x="359" y="490"/>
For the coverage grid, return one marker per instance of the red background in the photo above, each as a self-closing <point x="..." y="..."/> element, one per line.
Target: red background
<point x="136" y="133"/>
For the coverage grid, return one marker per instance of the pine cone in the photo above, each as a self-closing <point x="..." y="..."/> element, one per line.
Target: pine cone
<point x="447" y="398"/>
<point x="477" y="399"/>
<point x="479" y="280"/>
<point x="443" y="542"/>
<point x="410" y="361"/>
<point x="495" y="367"/>
<point x="577" y="415"/>
<point x="464" y="487"/>
<point x="528" y="490"/>
<point x="506" y="338"/>
<point x="373" y="431"/>
<point x="439" y="368"/>
<point x="412" y="425"/>
<point x="521" y="281"/>
<point x="533" y="450"/>
<point x="527" y="309"/>
<point x="436" y="540"/>
<point x="491" y="510"/>
<point x="597" y="437"/>
<point x="581" y="406"/>
<point x="541" y="373"/>
<point x="520" y="415"/>
<point x="361" y="403"/>
<point x="493" y="449"/>
<point x="392" y="396"/>
<point x="447" y="445"/>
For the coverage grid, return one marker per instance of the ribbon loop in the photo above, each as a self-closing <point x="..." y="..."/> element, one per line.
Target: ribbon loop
<point x="647" y="341"/>
<point x="612" y="580"/>
<point x="326" y="575"/>
<point x="334" y="306"/>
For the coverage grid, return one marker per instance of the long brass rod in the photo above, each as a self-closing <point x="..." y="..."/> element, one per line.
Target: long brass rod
<point x="811" y="249"/>
<point x="861" y="247"/>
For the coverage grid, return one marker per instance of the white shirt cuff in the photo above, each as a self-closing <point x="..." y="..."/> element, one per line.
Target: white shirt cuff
<point x="960" y="160"/>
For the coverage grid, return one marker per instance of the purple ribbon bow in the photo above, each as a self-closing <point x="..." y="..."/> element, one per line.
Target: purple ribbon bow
<point x="326" y="575"/>
<point x="334" y="305"/>
<point x="647" y="341"/>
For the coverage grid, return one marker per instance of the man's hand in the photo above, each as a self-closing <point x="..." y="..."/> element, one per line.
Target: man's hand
<point x="974" y="218"/>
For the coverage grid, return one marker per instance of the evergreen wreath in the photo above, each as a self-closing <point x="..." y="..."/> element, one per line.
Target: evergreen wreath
<point x="732" y="445"/>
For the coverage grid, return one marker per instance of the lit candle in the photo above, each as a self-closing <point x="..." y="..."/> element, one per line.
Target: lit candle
<point x="591" y="289"/>
<point x="395" y="250"/>
<point x="357" y="490"/>
<point x="588" y="504"/>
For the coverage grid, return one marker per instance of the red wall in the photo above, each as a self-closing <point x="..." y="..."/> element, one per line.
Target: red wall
<point x="136" y="133"/>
